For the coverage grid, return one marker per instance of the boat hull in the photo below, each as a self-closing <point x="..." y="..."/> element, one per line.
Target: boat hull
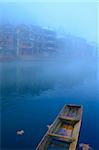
<point x="63" y="133"/>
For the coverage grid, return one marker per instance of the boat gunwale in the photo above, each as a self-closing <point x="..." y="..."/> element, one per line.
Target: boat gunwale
<point x="59" y="114"/>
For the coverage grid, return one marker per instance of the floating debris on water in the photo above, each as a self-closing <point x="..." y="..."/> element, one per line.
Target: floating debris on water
<point x="20" y="132"/>
<point x="85" y="146"/>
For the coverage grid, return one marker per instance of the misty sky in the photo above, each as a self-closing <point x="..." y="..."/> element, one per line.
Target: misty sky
<point x="77" y="18"/>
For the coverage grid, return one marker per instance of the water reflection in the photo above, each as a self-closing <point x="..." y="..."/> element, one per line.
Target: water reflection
<point x="35" y="77"/>
<point x="34" y="92"/>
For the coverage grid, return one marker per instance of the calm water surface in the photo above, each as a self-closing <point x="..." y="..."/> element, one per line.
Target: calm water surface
<point x="33" y="93"/>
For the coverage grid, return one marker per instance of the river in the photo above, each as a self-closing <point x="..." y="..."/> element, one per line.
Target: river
<point x="33" y="93"/>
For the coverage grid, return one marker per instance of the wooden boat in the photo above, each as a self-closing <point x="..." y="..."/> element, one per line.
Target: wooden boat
<point x="64" y="132"/>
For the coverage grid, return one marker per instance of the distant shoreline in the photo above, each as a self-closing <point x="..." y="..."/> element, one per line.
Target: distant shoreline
<point x="47" y="59"/>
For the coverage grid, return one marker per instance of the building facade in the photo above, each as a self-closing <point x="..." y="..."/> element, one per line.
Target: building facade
<point x="7" y="40"/>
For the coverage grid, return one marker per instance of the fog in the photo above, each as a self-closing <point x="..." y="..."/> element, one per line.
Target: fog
<point x="37" y="80"/>
<point x="77" y="18"/>
<point x="57" y="79"/>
